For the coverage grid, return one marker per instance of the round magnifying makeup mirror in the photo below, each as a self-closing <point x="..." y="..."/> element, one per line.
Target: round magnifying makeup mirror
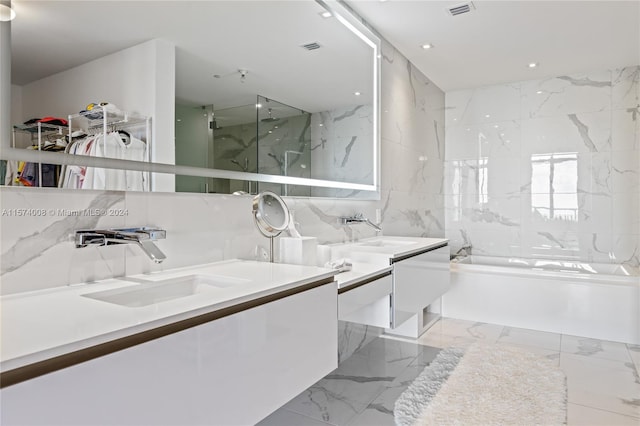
<point x="271" y="215"/>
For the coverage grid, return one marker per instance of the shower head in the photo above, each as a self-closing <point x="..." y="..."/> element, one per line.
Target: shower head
<point x="213" y="125"/>
<point x="270" y="119"/>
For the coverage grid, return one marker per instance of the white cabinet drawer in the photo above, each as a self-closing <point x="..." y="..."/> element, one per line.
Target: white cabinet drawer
<point x="367" y="304"/>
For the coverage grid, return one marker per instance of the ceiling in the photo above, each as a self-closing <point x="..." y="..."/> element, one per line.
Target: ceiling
<point x="490" y="45"/>
<point x="211" y="38"/>
<point x="495" y="42"/>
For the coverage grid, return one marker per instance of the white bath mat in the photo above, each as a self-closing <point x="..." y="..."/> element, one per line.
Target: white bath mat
<point x="485" y="385"/>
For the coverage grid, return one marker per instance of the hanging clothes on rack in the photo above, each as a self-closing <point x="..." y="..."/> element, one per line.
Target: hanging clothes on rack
<point x="11" y="173"/>
<point x="22" y="173"/>
<point x="104" y="131"/>
<point x="74" y="176"/>
<point x="123" y="146"/>
<point x="119" y="145"/>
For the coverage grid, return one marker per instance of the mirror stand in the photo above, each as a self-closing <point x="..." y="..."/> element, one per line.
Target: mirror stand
<point x="271" y="216"/>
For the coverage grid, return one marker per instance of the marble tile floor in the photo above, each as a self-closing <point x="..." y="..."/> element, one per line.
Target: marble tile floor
<point x="603" y="378"/>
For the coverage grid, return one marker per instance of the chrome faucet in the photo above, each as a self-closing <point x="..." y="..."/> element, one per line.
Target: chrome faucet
<point x="143" y="237"/>
<point x="466" y="249"/>
<point x="358" y="218"/>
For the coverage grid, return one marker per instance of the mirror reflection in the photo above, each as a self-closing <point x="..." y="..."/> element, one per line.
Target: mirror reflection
<point x="219" y="90"/>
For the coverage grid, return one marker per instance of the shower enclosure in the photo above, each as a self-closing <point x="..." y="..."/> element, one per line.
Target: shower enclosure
<point x="267" y="137"/>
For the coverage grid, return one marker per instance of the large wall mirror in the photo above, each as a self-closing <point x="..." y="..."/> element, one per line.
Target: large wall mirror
<point x="219" y="96"/>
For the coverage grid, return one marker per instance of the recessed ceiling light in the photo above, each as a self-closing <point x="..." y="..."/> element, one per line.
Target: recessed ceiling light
<point x="6" y="13"/>
<point x="320" y="124"/>
<point x="487" y="116"/>
<point x="533" y="64"/>
<point x="326" y="14"/>
<point x="427" y="46"/>
<point x="357" y="93"/>
<point x="539" y="92"/>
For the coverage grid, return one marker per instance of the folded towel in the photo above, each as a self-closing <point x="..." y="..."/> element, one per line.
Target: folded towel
<point x="341" y="265"/>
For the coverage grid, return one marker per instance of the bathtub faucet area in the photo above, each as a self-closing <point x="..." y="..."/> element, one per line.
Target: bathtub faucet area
<point x="462" y="252"/>
<point x="142" y="236"/>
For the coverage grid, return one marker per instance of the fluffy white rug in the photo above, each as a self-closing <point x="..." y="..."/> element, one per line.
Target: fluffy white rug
<point x="488" y="385"/>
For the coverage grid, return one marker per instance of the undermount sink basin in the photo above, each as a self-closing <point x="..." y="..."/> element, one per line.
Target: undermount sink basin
<point x="162" y="291"/>
<point x="386" y="243"/>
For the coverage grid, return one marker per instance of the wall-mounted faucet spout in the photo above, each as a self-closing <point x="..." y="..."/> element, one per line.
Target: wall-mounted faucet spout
<point x="143" y="237"/>
<point x="358" y="218"/>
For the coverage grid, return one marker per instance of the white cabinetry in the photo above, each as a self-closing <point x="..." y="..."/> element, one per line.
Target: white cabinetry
<point x="419" y="281"/>
<point x="235" y="370"/>
<point x="368" y="303"/>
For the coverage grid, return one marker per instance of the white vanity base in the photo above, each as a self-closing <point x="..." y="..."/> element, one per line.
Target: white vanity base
<point x="415" y="326"/>
<point x="235" y="370"/>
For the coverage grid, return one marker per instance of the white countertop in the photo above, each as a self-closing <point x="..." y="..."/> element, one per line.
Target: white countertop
<point x="395" y="247"/>
<point x="39" y="325"/>
<point x="360" y="272"/>
<point x="373" y="256"/>
<point x="43" y="324"/>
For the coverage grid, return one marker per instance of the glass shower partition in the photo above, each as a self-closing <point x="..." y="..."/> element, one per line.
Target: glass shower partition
<point x="284" y="144"/>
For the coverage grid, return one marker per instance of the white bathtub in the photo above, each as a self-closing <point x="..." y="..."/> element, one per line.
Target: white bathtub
<point x="583" y="299"/>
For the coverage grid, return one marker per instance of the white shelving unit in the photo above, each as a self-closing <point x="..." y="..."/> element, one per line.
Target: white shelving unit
<point x="101" y="119"/>
<point x="36" y="135"/>
<point x="105" y="120"/>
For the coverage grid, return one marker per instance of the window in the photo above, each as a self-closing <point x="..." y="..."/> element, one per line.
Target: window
<point x="554" y="186"/>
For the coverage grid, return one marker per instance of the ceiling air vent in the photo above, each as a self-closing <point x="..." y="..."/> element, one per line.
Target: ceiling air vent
<point x="460" y="9"/>
<point x="311" y="46"/>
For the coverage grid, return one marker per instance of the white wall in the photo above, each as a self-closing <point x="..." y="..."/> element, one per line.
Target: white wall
<point x="16" y="104"/>
<point x="5" y="82"/>
<point x="164" y="73"/>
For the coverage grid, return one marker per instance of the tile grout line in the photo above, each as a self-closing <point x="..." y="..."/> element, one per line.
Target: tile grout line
<point x="307" y="417"/>
<point x="633" y="360"/>
<point x="603" y="410"/>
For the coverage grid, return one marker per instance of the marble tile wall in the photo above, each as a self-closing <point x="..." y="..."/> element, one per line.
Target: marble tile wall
<point x="547" y="168"/>
<point x="36" y="251"/>
<point x="37" y="227"/>
<point x="340" y="144"/>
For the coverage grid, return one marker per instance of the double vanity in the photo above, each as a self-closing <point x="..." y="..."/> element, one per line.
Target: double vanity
<point x="221" y="343"/>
